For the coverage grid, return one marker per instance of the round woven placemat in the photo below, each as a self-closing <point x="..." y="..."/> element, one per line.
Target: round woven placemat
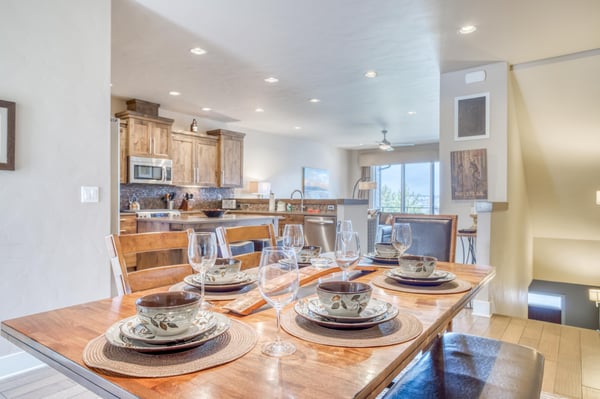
<point x="451" y="287"/>
<point x="213" y="295"/>
<point x="401" y="329"/>
<point x="236" y="342"/>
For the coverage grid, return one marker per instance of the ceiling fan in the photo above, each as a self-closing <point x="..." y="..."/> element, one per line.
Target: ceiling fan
<point x="385" y="145"/>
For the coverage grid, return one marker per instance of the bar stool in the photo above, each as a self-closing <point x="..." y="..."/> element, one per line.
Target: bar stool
<point x="466" y="366"/>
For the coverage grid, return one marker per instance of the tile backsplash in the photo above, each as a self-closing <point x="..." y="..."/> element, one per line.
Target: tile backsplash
<point x="152" y="196"/>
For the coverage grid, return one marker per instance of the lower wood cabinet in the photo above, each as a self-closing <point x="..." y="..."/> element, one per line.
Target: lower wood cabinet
<point x="128" y="225"/>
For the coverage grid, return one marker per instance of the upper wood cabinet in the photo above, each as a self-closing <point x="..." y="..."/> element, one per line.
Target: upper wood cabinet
<point x="194" y="159"/>
<point x="147" y="136"/>
<point x="230" y="161"/>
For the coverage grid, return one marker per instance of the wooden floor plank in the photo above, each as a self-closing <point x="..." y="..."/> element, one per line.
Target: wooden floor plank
<point x="590" y="359"/>
<point x="498" y="325"/>
<point x="532" y="334"/>
<point x="549" y="376"/>
<point x="514" y="331"/>
<point x="568" y="368"/>
<point x="550" y="341"/>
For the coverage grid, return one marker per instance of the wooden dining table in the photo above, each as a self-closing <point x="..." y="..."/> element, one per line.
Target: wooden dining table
<point x="59" y="337"/>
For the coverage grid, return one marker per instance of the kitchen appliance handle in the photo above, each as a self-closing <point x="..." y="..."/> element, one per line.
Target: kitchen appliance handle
<point x="164" y="174"/>
<point x="316" y="221"/>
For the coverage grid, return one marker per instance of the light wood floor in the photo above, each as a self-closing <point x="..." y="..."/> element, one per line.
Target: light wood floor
<point x="571" y="354"/>
<point x="571" y="368"/>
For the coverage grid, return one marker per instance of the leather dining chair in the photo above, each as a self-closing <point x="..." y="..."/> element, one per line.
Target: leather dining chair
<point x="259" y="236"/>
<point x="161" y="259"/>
<point x="432" y="235"/>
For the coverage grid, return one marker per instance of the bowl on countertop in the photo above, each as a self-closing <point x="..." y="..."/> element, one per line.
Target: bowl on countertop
<point x="344" y="298"/>
<point x="168" y="313"/>
<point x="308" y="252"/>
<point x="213" y="213"/>
<point x="416" y="266"/>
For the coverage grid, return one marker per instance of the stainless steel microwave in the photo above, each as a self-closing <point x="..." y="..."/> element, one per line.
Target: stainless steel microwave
<point x="150" y="170"/>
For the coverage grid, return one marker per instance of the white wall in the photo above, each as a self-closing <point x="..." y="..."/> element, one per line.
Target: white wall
<point x="453" y="85"/>
<point x="275" y="158"/>
<point x="55" y="64"/>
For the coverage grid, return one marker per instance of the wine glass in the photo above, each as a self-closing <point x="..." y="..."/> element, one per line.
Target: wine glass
<point x="401" y="237"/>
<point x="202" y="254"/>
<point x="347" y="251"/>
<point x="345" y="227"/>
<point x="278" y="281"/>
<point x="293" y="237"/>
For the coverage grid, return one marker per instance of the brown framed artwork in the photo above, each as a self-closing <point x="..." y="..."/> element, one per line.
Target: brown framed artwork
<point x="472" y="117"/>
<point x="469" y="174"/>
<point x="7" y="135"/>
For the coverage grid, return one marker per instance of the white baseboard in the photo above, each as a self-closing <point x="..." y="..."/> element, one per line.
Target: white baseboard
<point x="17" y="363"/>
<point x="482" y="308"/>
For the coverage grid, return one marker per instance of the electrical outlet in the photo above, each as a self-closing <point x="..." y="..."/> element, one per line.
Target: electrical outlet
<point x="331" y="207"/>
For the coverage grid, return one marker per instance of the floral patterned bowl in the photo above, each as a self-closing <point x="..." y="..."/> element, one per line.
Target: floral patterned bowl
<point x="168" y="313"/>
<point x="344" y="298"/>
<point x="416" y="266"/>
<point x="225" y="270"/>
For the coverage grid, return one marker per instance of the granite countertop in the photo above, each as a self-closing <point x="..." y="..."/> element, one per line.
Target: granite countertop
<point x="185" y="219"/>
<point x="282" y="213"/>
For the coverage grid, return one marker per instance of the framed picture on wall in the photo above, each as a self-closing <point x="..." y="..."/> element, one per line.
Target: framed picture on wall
<point x="315" y="183"/>
<point x="7" y="135"/>
<point x="472" y="117"/>
<point x="468" y="170"/>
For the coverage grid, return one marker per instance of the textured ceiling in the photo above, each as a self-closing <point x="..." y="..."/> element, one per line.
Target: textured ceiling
<point x="321" y="49"/>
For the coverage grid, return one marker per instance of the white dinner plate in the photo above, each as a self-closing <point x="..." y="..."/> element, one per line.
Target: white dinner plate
<point x="133" y="328"/>
<point x="235" y="279"/>
<point x="380" y="259"/>
<point x="375" y="308"/>
<point x="115" y="337"/>
<point x="411" y="281"/>
<point x="301" y="307"/>
<point x="436" y="275"/>
<point x="190" y="280"/>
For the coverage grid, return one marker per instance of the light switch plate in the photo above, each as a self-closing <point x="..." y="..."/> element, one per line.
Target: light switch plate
<point x="89" y="194"/>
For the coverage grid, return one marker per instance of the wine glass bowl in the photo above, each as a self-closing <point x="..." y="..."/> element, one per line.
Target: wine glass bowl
<point x="202" y="254"/>
<point x="293" y="237"/>
<point x="401" y="237"/>
<point x="278" y="282"/>
<point x="347" y="251"/>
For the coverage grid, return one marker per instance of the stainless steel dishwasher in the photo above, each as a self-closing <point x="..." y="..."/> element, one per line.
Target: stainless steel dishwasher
<point x="320" y="230"/>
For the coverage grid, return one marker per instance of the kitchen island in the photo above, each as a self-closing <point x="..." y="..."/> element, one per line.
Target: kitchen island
<point x="202" y="223"/>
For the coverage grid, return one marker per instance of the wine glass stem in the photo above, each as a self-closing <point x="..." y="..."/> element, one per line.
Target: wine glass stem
<point x="202" y="277"/>
<point x="344" y="275"/>
<point x="277" y="337"/>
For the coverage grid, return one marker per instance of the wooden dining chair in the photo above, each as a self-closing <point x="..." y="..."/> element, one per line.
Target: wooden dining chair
<point x="258" y="235"/>
<point x="161" y="259"/>
<point x="432" y="235"/>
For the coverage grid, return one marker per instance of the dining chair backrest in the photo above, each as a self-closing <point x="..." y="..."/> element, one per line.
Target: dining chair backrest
<point x="161" y="259"/>
<point x="432" y="235"/>
<point x="228" y="236"/>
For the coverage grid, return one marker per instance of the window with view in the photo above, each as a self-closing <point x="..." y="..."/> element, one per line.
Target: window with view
<point x="407" y="188"/>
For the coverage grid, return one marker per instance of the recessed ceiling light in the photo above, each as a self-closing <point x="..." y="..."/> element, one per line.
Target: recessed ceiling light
<point x="314" y="100"/>
<point x="271" y="79"/>
<point x="370" y="74"/>
<point x="297" y="127"/>
<point x="206" y="109"/>
<point x="197" y="51"/>
<point x="412" y="112"/>
<point x="174" y="93"/>
<point x="259" y="110"/>
<point x="465" y="30"/>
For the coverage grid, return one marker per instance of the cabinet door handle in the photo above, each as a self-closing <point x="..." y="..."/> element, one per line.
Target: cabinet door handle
<point x="222" y="177"/>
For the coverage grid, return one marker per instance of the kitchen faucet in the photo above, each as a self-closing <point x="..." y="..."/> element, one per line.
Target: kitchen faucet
<point x="301" y="198"/>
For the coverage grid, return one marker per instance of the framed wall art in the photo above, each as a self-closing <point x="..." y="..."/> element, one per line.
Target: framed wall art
<point x="315" y="183"/>
<point x="7" y="135"/>
<point x="468" y="170"/>
<point x="472" y="117"/>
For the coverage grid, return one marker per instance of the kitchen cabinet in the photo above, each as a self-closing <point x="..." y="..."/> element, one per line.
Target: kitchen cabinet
<point x="289" y="219"/>
<point x="146" y="136"/>
<point x="194" y="159"/>
<point x="230" y="157"/>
